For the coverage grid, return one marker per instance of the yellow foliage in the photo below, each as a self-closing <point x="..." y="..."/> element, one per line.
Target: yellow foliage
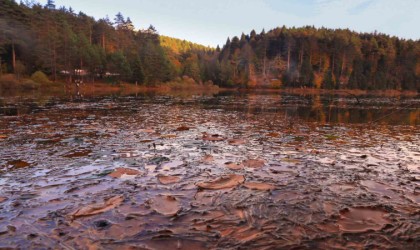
<point x="276" y="83"/>
<point x="318" y="80"/>
<point x="414" y="117"/>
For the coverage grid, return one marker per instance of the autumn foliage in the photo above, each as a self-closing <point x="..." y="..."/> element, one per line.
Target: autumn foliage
<point x="71" y="46"/>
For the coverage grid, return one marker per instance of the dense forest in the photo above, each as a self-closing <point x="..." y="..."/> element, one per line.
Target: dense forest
<point x="68" y="46"/>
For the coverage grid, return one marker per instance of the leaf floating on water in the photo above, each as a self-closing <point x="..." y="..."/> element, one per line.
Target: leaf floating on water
<point x="331" y="137"/>
<point x="183" y="128"/>
<point x="273" y="134"/>
<point x="208" y="159"/>
<point x="121" y="172"/>
<point x="165" y="180"/>
<point x="3" y="137"/>
<point x="19" y="164"/>
<point x="223" y="182"/>
<point x="78" y="154"/>
<point x="259" y="186"/>
<point x="291" y="160"/>
<point x="236" y="142"/>
<point x="254" y="163"/>
<point x="234" y="165"/>
<point x="170" y="136"/>
<point x="147" y="130"/>
<point x="165" y="204"/>
<point x="358" y="220"/>
<point x="215" y="137"/>
<point x="3" y="199"/>
<point x="146" y="141"/>
<point x="98" y="208"/>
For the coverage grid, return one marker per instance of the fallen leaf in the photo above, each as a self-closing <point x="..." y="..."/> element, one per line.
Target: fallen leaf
<point x="165" y="180"/>
<point x="273" y="134"/>
<point x="147" y="130"/>
<point x="254" y="163"/>
<point x="3" y="199"/>
<point x="98" y="208"/>
<point x="207" y="158"/>
<point x="234" y="165"/>
<point x="236" y="142"/>
<point x="214" y="137"/>
<point x="3" y="136"/>
<point x="19" y="164"/>
<point x="259" y="186"/>
<point x="120" y="172"/>
<point x="183" y="128"/>
<point x="146" y="141"/>
<point x="362" y="219"/>
<point x="291" y="160"/>
<point x="78" y="154"/>
<point x="331" y="137"/>
<point x="222" y="182"/>
<point x="168" y="136"/>
<point x="165" y="204"/>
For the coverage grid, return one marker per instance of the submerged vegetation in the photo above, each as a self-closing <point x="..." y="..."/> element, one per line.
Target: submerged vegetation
<point x="70" y="46"/>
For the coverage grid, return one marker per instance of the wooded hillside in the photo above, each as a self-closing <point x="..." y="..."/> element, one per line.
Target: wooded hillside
<point x="67" y="46"/>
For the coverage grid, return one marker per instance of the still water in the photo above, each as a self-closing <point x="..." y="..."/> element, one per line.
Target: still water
<point x="219" y="171"/>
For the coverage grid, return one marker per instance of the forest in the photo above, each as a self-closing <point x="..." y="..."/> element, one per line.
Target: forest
<point x="69" y="46"/>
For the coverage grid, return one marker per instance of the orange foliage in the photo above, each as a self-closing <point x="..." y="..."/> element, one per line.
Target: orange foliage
<point x="318" y="80"/>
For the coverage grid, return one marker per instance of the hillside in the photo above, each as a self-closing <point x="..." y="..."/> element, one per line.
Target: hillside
<point x="321" y="58"/>
<point x="67" y="46"/>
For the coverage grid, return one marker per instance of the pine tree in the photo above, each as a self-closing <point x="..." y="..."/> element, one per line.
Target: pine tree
<point x="50" y="5"/>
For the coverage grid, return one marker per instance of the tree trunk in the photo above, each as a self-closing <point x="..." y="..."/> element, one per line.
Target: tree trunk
<point x="13" y="57"/>
<point x="343" y="64"/>
<point x="90" y="35"/>
<point x="264" y="75"/>
<point x="300" y="58"/>
<point x="103" y="41"/>
<point x="288" y="58"/>
<point x="55" y="62"/>
<point x="320" y="64"/>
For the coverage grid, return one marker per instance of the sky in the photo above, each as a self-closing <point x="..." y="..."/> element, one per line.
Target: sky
<point x="211" y="22"/>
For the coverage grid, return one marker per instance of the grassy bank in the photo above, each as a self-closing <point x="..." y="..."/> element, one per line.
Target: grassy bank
<point x="11" y="86"/>
<point x="10" y="83"/>
<point x="344" y="92"/>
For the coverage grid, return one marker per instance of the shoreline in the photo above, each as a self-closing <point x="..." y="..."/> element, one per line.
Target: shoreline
<point x="101" y="88"/>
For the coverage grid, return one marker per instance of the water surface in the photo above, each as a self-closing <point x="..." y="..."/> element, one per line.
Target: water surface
<point x="224" y="171"/>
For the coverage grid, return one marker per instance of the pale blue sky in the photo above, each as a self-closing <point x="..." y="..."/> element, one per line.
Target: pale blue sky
<point x="211" y="22"/>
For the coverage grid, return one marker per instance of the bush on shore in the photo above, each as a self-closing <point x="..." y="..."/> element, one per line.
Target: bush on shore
<point x="40" y="77"/>
<point x="188" y="83"/>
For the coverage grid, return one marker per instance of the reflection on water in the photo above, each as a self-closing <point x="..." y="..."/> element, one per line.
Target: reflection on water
<point x="219" y="171"/>
<point x="312" y="108"/>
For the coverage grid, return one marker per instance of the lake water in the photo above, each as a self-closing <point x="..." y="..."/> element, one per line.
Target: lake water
<point x="194" y="171"/>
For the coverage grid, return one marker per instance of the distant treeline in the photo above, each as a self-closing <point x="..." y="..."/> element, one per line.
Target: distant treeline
<point x="67" y="46"/>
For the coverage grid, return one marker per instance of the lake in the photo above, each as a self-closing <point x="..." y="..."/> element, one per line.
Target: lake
<point x="225" y="170"/>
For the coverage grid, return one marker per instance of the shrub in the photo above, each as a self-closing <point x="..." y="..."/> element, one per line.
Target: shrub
<point x="40" y="77"/>
<point x="8" y="81"/>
